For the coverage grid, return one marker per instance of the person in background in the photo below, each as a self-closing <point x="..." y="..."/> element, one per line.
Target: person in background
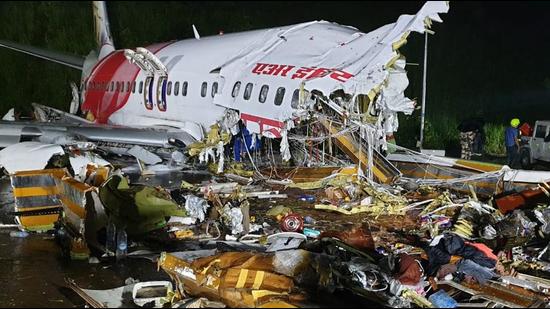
<point x="469" y="129"/>
<point x="479" y="138"/>
<point x="511" y="142"/>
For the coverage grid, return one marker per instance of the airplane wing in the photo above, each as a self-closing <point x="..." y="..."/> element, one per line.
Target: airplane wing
<point x="72" y="61"/>
<point x="13" y="132"/>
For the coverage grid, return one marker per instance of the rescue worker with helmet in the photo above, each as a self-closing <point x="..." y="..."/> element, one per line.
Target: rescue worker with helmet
<point x="511" y="140"/>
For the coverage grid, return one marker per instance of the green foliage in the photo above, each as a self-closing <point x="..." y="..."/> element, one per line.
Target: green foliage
<point x="439" y="132"/>
<point x="62" y="26"/>
<point x="494" y="144"/>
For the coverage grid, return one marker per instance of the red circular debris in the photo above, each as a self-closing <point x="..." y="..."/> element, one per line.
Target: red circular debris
<point x="292" y="223"/>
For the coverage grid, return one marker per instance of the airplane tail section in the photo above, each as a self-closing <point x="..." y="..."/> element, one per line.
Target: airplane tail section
<point x="104" y="40"/>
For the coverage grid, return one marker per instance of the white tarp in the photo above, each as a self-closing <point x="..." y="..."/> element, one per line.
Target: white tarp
<point x="28" y="156"/>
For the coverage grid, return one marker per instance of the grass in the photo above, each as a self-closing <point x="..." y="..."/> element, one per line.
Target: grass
<point x="494" y="143"/>
<point x="441" y="133"/>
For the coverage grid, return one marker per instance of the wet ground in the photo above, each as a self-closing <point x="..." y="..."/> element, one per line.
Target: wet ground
<point x="32" y="273"/>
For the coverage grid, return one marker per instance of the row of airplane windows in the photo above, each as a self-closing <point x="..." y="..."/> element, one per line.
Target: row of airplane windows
<point x="262" y="96"/>
<point x="119" y="87"/>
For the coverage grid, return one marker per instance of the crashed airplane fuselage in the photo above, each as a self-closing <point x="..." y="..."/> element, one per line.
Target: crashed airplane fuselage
<point x="264" y="76"/>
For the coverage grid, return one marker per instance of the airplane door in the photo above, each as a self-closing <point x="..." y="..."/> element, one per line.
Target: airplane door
<point x="148" y="92"/>
<point x="161" y="93"/>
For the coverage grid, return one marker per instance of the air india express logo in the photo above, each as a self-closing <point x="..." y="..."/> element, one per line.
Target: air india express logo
<point x="291" y="71"/>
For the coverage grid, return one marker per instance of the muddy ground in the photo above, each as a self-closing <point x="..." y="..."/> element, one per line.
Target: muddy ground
<point x="32" y="273"/>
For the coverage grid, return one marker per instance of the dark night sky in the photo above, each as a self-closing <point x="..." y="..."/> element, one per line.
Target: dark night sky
<point x="486" y="57"/>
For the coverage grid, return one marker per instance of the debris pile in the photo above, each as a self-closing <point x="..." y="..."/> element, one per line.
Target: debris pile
<point x="238" y="241"/>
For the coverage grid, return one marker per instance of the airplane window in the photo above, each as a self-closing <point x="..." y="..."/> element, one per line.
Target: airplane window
<point x="247" y="91"/>
<point x="127" y="86"/>
<point x="117" y="86"/>
<point x="236" y="89"/>
<point x="203" y="89"/>
<point x="279" y="96"/>
<point x="169" y="88"/>
<point x="214" y="88"/>
<point x="184" y="89"/>
<point x="112" y="86"/>
<point x="141" y="87"/>
<point x="176" y="88"/>
<point x="134" y="87"/>
<point x="295" y="98"/>
<point x="263" y="93"/>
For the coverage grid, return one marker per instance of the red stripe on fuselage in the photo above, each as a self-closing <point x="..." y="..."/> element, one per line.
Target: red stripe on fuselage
<point x="114" y="67"/>
<point x="266" y="124"/>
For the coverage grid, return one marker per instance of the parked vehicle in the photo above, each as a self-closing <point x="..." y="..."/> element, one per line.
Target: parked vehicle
<point x="536" y="147"/>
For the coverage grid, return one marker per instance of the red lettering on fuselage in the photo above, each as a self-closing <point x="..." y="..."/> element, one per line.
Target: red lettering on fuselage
<point x="259" y="68"/>
<point x="286" y="70"/>
<point x="301" y="73"/>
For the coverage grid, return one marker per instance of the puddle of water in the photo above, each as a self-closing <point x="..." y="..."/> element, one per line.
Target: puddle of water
<point x="32" y="273"/>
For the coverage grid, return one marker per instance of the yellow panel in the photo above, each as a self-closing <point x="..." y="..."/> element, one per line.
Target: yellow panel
<point x="480" y="166"/>
<point x="258" y="280"/>
<point x="59" y="173"/>
<point x="38" y="222"/>
<point x="76" y="184"/>
<point x="242" y="279"/>
<point x="34" y="191"/>
<point x="27" y="209"/>
<point x="79" y="211"/>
